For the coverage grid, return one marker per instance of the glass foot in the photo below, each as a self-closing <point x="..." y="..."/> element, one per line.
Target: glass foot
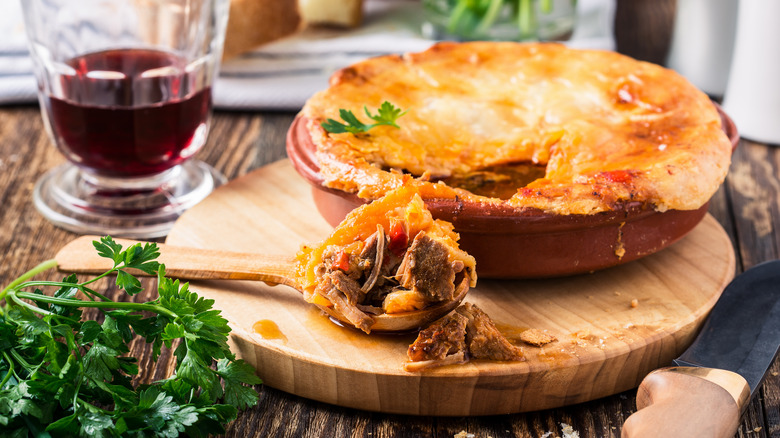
<point x="139" y="208"/>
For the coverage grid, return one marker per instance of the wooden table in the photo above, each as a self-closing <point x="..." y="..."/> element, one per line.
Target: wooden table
<point x="747" y="207"/>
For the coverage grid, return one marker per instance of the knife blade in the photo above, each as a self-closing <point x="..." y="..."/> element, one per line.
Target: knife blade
<point x="707" y="388"/>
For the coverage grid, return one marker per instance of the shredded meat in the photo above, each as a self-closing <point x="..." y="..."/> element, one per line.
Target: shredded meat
<point x="423" y="280"/>
<point x="466" y="333"/>
<point x="440" y="340"/>
<point x="349" y="287"/>
<point x="356" y="270"/>
<point x="378" y="280"/>
<point x="327" y="287"/>
<point x="426" y="269"/>
<point x="484" y="339"/>
<point x="374" y="255"/>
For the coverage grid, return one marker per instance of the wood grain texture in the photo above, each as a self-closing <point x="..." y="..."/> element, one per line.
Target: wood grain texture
<point x="613" y="326"/>
<point x="242" y="141"/>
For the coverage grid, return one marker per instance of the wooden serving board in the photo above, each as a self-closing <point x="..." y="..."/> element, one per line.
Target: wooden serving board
<point x="613" y="326"/>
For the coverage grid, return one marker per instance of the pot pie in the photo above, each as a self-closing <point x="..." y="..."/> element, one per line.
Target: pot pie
<point x="534" y="126"/>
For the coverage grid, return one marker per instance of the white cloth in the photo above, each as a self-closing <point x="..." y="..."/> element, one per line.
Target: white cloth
<point x="283" y="74"/>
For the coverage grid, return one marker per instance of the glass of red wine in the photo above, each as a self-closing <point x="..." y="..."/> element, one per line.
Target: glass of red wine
<point x="125" y="92"/>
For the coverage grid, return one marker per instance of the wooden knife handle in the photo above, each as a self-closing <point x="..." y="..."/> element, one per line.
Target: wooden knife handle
<point x="688" y="402"/>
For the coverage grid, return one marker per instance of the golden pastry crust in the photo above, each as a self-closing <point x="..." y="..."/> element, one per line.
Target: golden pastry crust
<point x="607" y="129"/>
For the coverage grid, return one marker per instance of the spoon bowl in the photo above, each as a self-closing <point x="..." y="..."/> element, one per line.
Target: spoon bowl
<point x="79" y="257"/>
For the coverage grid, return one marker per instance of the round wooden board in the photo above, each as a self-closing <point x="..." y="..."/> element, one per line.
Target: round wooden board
<point x="613" y="326"/>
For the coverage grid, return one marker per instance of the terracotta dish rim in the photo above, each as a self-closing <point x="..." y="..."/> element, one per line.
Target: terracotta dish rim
<point x="499" y="221"/>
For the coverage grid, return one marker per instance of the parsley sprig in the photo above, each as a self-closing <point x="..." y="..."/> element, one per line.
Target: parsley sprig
<point x="63" y="375"/>
<point x="387" y="114"/>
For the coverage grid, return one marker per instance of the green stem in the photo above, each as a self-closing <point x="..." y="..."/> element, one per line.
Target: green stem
<point x="47" y="283"/>
<point x="97" y="304"/>
<point x="546" y="6"/>
<point x="105" y="274"/>
<point x="48" y="264"/>
<point x="490" y="15"/>
<point x="92" y="293"/>
<point x="18" y="357"/>
<point x="526" y="19"/>
<point x="456" y="15"/>
<point x="15" y="298"/>
<point x="10" y="370"/>
<point x="80" y="286"/>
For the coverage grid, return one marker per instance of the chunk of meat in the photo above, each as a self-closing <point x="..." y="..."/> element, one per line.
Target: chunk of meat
<point x="441" y="339"/>
<point x="466" y="333"/>
<point x="426" y="269"/>
<point x="484" y="339"/>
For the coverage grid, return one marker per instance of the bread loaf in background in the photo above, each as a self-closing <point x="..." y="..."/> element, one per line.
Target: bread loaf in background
<point x="346" y="13"/>
<point x="252" y="23"/>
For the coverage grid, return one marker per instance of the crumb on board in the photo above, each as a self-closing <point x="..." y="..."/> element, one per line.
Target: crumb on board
<point x="464" y="434"/>
<point x="568" y="431"/>
<point x="634" y="303"/>
<point x="537" y="337"/>
<point x="582" y="334"/>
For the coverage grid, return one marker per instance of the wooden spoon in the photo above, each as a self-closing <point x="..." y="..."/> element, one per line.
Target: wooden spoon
<point x="79" y="256"/>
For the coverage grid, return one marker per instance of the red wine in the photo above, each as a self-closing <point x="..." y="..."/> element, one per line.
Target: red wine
<point x="129" y="113"/>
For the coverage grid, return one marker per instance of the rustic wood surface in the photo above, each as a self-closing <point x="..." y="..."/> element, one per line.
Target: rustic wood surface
<point x="746" y="206"/>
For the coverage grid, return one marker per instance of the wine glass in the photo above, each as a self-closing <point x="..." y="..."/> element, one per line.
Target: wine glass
<point x="125" y="92"/>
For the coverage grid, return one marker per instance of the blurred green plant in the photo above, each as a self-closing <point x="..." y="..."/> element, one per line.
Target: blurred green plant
<point x="472" y="19"/>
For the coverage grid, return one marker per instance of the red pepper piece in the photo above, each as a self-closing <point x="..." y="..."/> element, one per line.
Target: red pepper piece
<point x="399" y="239"/>
<point x="341" y="261"/>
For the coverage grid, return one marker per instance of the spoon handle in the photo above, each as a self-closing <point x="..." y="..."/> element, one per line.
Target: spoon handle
<point x="80" y="256"/>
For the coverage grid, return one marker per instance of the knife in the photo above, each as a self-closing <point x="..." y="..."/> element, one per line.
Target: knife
<point x="709" y="386"/>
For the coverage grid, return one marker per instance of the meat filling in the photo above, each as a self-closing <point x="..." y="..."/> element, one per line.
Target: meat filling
<point x="464" y="334"/>
<point x="358" y="283"/>
<point x="329" y="288"/>
<point x="422" y="269"/>
<point x="439" y="340"/>
<point x="483" y="338"/>
<point x="388" y="257"/>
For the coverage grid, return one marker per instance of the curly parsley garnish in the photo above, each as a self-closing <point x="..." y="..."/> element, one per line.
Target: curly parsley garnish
<point x="61" y="375"/>
<point x="387" y="114"/>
